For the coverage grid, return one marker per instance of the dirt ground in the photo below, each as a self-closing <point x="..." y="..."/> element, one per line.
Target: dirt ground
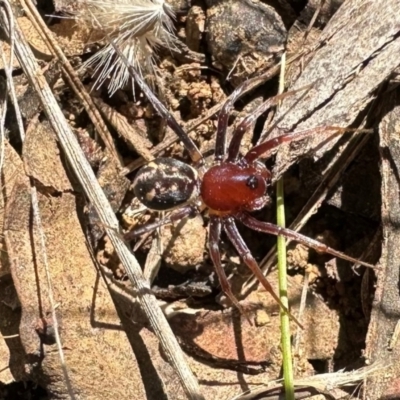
<point x="60" y="274"/>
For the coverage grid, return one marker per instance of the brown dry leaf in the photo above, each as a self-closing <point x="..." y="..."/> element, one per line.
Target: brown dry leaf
<point x="93" y="339"/>
<point x="112" y="182"/>
<point x="9" y="176"/>
<point x="227" y="339"/>
<point x="319" y="338"/>
<point x="11" y="352"/>
<point x="36" y="42"/>
<point x="41" y="157"/>
<point x="8" y="322"/>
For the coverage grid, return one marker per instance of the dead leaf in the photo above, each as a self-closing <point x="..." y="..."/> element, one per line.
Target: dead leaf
<point x="42" y="157"/>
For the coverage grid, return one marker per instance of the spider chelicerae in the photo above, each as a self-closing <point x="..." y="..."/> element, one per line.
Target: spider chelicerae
<point x="233" y="187"/>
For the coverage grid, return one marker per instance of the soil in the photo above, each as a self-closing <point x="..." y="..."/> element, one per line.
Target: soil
<point x="334" y="193"/>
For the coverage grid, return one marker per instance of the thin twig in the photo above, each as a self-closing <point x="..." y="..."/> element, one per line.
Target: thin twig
<point x="71" y="76"/>
<point x="43" y="252"/>
<point x="10" y="336"/>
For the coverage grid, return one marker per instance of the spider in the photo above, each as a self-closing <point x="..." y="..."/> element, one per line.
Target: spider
<point x="233" y="187"/>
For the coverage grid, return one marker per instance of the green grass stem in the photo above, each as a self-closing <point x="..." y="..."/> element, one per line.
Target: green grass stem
<point x="285" y="323"/>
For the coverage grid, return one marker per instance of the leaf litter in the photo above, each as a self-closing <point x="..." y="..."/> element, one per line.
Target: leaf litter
<point x="78" y="286"/>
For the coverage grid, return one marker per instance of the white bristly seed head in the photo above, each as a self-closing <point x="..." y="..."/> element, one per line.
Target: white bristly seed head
<point x="137" y="27"/>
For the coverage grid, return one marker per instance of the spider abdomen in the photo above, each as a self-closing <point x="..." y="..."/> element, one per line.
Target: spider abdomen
<point x="166" y="183"/>
<point x="231" y="187"/>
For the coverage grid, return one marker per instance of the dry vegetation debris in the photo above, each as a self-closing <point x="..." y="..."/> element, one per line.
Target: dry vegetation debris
<point x="110" y="348"/>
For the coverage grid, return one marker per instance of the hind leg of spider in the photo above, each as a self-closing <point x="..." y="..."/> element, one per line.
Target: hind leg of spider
<point x="213" y="244"/>
<point x="267" y="227"/>
<point x="244" y="252"/>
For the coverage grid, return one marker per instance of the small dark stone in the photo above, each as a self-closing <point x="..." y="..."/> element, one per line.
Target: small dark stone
<point x="45" y="329"/>
<point x="244" y="36"/>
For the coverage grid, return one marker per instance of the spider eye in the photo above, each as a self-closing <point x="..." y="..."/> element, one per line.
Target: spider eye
<point x="252" y="182"/>
<point x="166" y="183"/>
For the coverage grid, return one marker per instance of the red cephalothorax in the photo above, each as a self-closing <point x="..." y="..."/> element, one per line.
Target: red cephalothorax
<point x="230" y="188"/>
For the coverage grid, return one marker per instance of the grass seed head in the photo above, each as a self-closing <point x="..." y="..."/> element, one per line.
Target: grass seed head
<point x="137" y="27"/>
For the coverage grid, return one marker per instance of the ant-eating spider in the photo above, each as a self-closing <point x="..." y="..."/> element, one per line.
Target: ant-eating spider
<point x="230" y="189"/>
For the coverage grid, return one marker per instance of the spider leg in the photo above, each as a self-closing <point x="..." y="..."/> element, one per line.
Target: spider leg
<point x="213" y="245"/>
<point x="267" y="227"/>
<point x="183" y="212"/>
<point x="247" y="122"/>
<point x="265" y="149"/>
<point x="190" y="146"/>
<point x="223" y="116"/>
<point x="244" y="252"/>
